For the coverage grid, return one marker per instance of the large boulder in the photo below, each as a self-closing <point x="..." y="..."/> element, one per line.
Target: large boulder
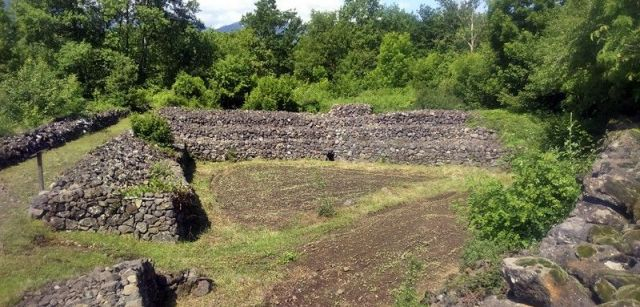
<point x="615" y="179"/>
<point x="540" y="282"/>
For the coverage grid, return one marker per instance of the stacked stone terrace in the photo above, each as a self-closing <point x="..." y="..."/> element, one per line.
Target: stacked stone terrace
<point x="351" y="132"/>
<point x="18" y="148"/>
<point x="90" y="197"/>
<point x="128" y="284"/>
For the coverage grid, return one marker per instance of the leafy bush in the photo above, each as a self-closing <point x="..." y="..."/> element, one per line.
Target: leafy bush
<point x="309" y="97"/>
<point x="428" y="98"/>
<point x="568" y="136"/>
<point x="541" y="195"/>
<point x="233" y="78"/>
<point x="191" y="91"/>
<point x="327" y="209"/>
<point x="153" y="128"/>
<point x="35" y="94"/>
<point x="272" y="94"/>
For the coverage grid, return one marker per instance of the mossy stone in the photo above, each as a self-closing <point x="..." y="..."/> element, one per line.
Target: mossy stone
<point x="533" y="261"/>
<point x="604" y="290"/>
<point x="622" y="303"/>
<point x="621" y="279"/>
<point x="558" y="274"/>
<point x="607" y="235"/>
<point x="630" y="236"/>
<point x="628" y="292"/>
<point x="585" y="251"/>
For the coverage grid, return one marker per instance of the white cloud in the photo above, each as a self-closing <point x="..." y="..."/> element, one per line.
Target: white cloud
<point x="217" y="13"/>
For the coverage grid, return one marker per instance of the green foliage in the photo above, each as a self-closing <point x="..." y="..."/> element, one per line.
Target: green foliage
<point x="288" y="257"/>
<point x="428" y="98"/>
<point x="327" y="209"/>
<point x="521" y="132"/>
<point x="273" y="94"/>
<point x="309" y="97"/>
<point x="382" y="100"/>
<point x="394" y="61"/>
<point x="35" y="94"/>
<point x="161" y="180"/>
<point x="567" y="136"/>
<point x="191" y="91"/>
<point x="542" y="194"/>
<point x="278" y="31"/>
<point x="153" y="128"/>
<point x="234" y="77"/>
<point x="407" y="295"/>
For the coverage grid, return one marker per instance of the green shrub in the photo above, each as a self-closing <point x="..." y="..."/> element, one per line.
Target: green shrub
<point x="309" y="97"/>
<point x="35" y="94"/>
<point x="191" y="91"/>
<point x="567" y="135"/>
<point x="153" y="128"/>
<point x="407" y="295"/>
<point x="428" y="98"/>
<point x="272" y="94"/>
<point x="327" y="209"/>
<point x="542" y="194"/>
<point x="189" y="87"/>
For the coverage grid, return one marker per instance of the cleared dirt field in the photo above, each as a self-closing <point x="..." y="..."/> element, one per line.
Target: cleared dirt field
<point x="367" y="264"/>
<point x="281" y="195"/>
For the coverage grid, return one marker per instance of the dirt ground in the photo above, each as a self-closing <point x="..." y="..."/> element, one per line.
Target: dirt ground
<point x="277" y="196"/>
<point x="366" y="264"/>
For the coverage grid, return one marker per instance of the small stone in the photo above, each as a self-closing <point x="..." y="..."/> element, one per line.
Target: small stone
<point x="132" y="278"/>
<point x="346" y="269"/>
<point x="339" y="292"/>
<point x="130" y="289"/>
<point x="202" y="288"/>
<point x="134" y="303"/>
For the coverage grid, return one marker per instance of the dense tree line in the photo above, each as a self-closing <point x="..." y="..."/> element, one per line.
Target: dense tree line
<point x="59" y="58"/>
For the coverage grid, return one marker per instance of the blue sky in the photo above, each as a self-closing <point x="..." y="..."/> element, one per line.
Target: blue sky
<point x="216" y="13"/>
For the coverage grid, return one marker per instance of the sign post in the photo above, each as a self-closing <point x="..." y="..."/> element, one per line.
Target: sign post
<point x="40" y="171"/>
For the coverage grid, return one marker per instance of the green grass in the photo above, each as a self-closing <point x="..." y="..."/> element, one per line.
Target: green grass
<point x="382" y="100"/>
<point x="244" y="262"/>
<point x="517" y="131"/>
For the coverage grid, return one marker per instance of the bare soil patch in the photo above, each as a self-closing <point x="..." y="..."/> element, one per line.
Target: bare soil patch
<point x="277" y="196"/>
<point x="365" y="264"/>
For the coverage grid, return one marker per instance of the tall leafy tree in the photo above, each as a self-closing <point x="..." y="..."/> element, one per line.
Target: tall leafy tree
<point x="7" y="39"/>
<point x="278" y="30"/>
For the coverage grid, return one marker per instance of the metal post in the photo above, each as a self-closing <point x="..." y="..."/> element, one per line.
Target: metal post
<point x="40" y="171"/>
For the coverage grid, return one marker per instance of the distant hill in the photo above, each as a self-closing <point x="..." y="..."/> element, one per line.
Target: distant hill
<point x="236" y="26"/>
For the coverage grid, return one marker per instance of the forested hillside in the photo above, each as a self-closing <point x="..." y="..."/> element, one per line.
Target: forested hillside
<point x="59" y="58"/>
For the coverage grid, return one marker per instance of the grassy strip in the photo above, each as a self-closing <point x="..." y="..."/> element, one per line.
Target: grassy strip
<point x="382" y="100"/>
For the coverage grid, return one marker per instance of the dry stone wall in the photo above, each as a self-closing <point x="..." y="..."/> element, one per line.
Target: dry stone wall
<point x="90" y="196"/>
<point x="593" y="257"/>
<point x="349" y="132"/>
<point x="127" y="284"/>
<point x="18" y="148"/>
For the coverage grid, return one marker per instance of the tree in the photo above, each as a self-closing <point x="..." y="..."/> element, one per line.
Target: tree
<point x="278" y="30"/>
<point x="393" y="68"/>
<point x="7" y="39"/>
<point x="323" y="45"/>
<point x="35" y="94"/>
<point x="273" y="94"/>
